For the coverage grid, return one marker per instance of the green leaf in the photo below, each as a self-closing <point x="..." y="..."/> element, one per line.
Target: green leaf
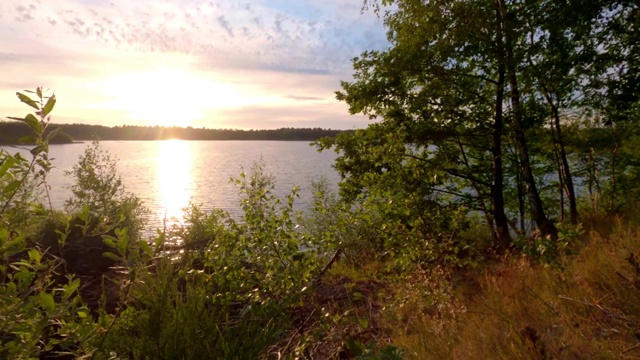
<point x="39" y="92"/>
<point x="109" y="240"/>
<point x="35" y="255"/>
<point x="8" y="163"/>
<point x="49" y="105"/>
<point x="47" y="302"/>
<point x="71" y="288"/>
<point x="33" y="122"/>
<point x="22" y="263"/>
<point x="27" y="100"/>
<point x="84" y="214"/>
<point x="83" y="313"/>
<point x="146" y="248"/>
<point x="28" y="139"/>
<point x="12" y="186"/>
<point x="111" y="256"/>
<point x="36" y="150"/>
<point x="15" y="118"/>
<point x="52" y="134"/>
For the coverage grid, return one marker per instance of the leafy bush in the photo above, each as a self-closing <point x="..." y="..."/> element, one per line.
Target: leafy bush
<point x="222" y="287"/>
<point x="40" y="316"/>
<point x="99" y="196"/>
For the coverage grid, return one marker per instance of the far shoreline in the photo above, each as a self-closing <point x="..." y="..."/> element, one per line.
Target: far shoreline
<point x="11" y="132"/>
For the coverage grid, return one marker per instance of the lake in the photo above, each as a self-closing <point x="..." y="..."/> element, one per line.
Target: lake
<point x="169" y="175"/>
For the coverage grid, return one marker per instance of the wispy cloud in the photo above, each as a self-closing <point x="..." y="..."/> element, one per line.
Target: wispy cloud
<point x="272" y="44"/>
<point x="305" y="98"/>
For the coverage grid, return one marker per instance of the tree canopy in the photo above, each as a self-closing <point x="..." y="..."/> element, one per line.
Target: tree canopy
<point x="472" y="100"/>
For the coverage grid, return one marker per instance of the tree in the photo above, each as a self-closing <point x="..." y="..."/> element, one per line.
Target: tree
<point x="442" y="85"/>
<point x="463" y="79"/>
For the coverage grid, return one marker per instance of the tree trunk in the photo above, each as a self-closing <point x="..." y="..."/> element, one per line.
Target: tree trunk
<point x="568" y="181"/>
<point x="614" y="153"/>
<point x="497" y="195"/>
<point x="546" y="227"/>
<point x="520" y="188"/>
<point x="556" y="155"/>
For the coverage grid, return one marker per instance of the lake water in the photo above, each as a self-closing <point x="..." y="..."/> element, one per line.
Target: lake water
<point x="169" y="175"/>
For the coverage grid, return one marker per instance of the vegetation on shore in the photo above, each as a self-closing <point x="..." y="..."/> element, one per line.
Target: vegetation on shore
<point x="491" y="212"/>
<point x="13" y="132"/>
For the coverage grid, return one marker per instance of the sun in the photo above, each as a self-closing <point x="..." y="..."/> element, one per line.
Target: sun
<point x="167" y="96"/>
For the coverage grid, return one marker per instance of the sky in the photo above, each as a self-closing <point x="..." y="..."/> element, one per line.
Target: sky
<point x="259" y="64"/>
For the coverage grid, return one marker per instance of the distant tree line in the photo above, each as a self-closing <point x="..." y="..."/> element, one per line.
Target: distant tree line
<point x="13" y="132"/>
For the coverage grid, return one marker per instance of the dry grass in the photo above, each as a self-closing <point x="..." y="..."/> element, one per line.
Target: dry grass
<point x="588" y="309"/>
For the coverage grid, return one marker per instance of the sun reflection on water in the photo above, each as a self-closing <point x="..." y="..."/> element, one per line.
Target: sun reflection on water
<point x="174" y="180"/>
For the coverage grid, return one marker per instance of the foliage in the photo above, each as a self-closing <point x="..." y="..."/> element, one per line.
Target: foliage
<point x="471" y="116"/>
<point x="40" y="316"/>
<point x="100" y="200"/>
<point x="451" y="215"/>
<point x="228" y="289"/>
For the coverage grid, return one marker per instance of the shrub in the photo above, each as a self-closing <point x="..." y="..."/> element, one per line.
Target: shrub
<point x="39" y="315"/>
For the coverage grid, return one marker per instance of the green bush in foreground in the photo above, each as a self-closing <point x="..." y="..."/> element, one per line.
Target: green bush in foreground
<point x="39" y="316"/>
<point x="222" y="287"/>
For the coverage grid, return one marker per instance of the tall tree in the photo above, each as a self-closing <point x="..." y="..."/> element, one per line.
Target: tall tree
<point x="442" y="85"/>
<point x="462" y="78"/>
<point x="511" y="29"/>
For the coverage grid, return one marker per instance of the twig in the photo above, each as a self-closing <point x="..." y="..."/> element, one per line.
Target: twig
<point x="631" y="348"/>
<point x="605" y="311"/>
<point x="634" y="284"/>
<point x="335" y="258"/>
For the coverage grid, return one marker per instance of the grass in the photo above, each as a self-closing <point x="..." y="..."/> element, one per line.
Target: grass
<point x="589" y="307"/>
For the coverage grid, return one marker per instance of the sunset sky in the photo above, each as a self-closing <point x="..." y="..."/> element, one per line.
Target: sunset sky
<point x="219" y="64"/>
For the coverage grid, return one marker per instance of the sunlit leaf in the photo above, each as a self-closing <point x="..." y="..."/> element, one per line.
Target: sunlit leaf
<point x="22" y="264"/>
<point x="8" y="163"/>
<point x="32" y="122"/>
<point x="146" y="248"/>
<point x="35" y="255"/>
<point x="111" y="256"/>
<point x="27" y="100"/>
<point x="109" y="240"/>
<point x="47" y="302"/>
<point x="49" y="105"/>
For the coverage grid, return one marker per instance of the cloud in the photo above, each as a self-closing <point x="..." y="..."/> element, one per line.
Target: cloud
<point x="24" y="13"/>
<point x="305" y="98"/>
<point x="319" y="34"/>
<point x="277" y="47"/>
<point x="225" y="25"/>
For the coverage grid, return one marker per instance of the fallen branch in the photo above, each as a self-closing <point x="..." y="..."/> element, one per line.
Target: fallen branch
<point x="335" y="258"/>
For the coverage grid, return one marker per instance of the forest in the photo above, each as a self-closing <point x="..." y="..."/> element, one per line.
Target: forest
<point x="13" y="132"/>
<point x="488" y="210"/>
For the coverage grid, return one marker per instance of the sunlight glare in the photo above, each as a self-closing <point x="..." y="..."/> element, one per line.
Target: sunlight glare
<point x="167" y="96"/>
<point x="174" y="179"/>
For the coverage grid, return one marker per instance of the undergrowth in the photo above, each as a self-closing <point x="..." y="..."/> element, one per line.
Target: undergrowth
<point x="587" y="308"/>
<point x="345" y="280"/>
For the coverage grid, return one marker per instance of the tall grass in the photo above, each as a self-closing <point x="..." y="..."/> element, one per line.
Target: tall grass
<point x="588" y="308"/>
